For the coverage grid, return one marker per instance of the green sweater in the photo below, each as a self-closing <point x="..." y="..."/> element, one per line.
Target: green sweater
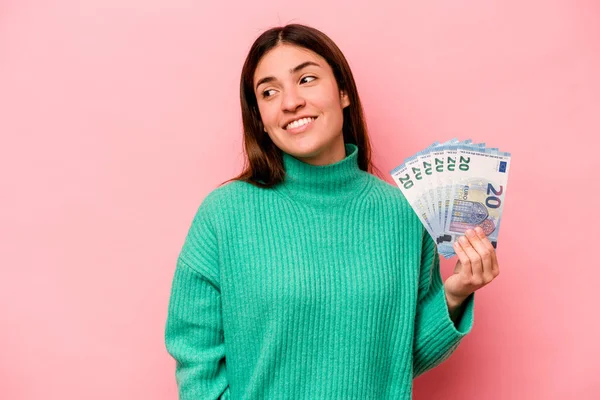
<point x="326" y="286"/>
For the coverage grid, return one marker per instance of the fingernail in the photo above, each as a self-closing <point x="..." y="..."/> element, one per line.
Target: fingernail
<point x="463" y="239"/>
<point x="469" y="232"/>
<point x="479" y="230"/>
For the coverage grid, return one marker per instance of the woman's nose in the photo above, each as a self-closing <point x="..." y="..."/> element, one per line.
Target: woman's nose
<point x="292" y="100"/>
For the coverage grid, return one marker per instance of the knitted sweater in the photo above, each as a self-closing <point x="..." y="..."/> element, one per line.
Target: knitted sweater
<point x="325" y="286"/>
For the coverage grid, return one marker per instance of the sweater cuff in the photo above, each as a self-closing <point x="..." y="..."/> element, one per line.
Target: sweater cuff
<point x="464" y="324"/>
<point x="437" y="336"/>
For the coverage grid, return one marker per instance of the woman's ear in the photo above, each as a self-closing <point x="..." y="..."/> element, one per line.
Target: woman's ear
<point x="344" y="99"/>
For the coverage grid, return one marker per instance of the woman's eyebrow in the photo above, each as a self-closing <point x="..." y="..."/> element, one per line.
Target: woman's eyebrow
<point x="292" y="71"/>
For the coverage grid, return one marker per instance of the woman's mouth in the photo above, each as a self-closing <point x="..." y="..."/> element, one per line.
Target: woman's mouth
<point x="300" y="125"/>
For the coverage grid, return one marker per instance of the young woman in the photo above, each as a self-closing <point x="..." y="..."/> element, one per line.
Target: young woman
<point x="307" y="276"/>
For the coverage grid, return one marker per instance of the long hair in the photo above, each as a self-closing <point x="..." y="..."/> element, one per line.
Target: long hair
<point x="264" y="162"/>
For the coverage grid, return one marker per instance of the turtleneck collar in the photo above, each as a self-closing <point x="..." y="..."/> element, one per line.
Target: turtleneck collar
<point x="324" y="185"/>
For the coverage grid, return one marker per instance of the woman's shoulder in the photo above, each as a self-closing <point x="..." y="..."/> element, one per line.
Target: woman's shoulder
<point x="228" y="193"/>
<point x="388" y="196"/>
<point x="233" y="198"/>
<point x="221" y="203"/>
<point x="387" y="192"/>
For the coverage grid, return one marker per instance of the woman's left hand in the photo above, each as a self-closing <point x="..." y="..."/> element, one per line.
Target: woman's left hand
<point x="476" y="267"/>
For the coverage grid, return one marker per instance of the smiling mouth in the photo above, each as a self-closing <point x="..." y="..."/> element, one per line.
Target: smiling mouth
<point x="304" y="122"/>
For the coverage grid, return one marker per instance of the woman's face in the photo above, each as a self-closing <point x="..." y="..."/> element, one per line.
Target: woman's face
<point x="291" y="84"/>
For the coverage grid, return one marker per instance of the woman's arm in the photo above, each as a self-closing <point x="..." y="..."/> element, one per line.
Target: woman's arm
<point x="194" y="328"/>
<point x="437" y="335"/>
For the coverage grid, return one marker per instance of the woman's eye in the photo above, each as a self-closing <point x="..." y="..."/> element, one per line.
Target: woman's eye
<point x="265" y="93"/>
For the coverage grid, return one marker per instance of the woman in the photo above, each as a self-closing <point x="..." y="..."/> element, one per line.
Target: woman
<point x="308" y="277"/>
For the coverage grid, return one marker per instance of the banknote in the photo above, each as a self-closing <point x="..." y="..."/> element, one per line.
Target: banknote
<point x="411" y="190"/>
<point x="455" y="186"/>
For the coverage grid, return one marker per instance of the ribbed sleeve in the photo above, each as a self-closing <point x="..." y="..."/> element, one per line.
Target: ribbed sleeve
<point x="194" y="327"/>
<point x="436" y="335"/>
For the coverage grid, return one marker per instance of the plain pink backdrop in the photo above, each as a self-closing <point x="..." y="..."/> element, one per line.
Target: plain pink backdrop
<point x="118" y="117"/>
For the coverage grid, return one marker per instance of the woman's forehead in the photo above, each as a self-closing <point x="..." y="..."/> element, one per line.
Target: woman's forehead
<point x="283" y="58"/>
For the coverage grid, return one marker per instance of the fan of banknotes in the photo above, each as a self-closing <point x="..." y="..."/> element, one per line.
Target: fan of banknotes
<point x="455" y="186"/>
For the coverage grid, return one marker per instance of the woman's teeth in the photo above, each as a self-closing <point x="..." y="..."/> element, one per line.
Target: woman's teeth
<point x="298" y="123"/>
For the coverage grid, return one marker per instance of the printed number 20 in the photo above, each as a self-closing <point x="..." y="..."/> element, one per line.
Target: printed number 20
<point x="406" y="181"/>
<point x="493" y="201"/>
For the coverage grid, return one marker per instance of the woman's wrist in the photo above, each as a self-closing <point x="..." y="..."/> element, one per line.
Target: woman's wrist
<point x="455" y="306"/>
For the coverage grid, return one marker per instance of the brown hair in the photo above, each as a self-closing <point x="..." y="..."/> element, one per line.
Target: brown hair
<point x="264" y="163"/>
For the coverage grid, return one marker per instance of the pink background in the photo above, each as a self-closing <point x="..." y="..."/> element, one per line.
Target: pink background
<point x="118" y="116"/>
